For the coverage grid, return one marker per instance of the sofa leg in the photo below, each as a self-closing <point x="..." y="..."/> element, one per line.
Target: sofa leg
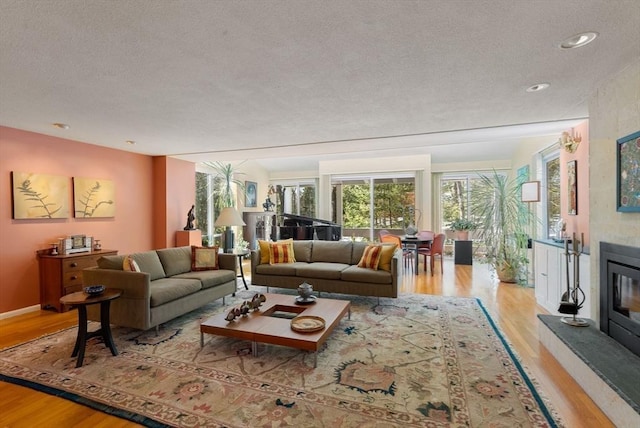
<point x="158" y="330"/>
<point x="224" y="301"/>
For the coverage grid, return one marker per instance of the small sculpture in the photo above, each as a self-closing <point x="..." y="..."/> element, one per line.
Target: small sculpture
<point x="244" y="308"/>
<point x="257" y="301"/>
<point x="268" y="205"/>
<point x="233" y="314"/>
<point x="190" y="218"/>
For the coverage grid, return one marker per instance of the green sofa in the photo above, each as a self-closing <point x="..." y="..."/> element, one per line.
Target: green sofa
<point x="329" y="266"/>
<point x="165" y="287"/>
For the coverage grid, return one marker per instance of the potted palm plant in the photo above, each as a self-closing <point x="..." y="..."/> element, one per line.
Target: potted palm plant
<point x="502" y="224"/>
<point x="461" y="227"/>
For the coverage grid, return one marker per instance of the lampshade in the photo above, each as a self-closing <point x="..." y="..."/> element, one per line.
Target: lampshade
<point x="229" y="217"/>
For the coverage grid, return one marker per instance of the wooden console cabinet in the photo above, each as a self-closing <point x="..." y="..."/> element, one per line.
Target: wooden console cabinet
<point x="62" y="274"/>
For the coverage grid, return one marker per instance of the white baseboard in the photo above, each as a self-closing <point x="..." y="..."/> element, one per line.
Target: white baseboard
<point x="5" y="315"/>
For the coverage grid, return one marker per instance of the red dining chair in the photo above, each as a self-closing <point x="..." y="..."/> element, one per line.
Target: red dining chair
<point x="407" y="255"/>
<point x="437" y="248"/>
<point x="423" y="249"/>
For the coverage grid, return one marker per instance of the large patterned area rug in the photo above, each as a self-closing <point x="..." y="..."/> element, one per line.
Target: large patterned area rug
<point x="425" y="361"/>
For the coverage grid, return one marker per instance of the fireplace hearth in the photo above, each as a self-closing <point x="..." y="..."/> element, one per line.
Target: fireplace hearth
<point x="620" y="294"/>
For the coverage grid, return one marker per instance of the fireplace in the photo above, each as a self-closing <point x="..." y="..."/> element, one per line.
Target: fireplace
<point x="620" y="294"/>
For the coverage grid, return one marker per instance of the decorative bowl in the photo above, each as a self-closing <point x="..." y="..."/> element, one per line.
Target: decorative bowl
<point x="305" y="290"/>
<point x="94" y="290"/>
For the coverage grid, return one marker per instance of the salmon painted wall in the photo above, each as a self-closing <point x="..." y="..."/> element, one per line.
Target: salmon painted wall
<point x="132" y="229"/>
<point x="576" y="223"/>
<point x="175" y="194"/>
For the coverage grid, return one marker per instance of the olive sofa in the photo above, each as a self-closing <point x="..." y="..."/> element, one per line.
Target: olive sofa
<point x="165" y="287"/>
<point x="329" y="266"/>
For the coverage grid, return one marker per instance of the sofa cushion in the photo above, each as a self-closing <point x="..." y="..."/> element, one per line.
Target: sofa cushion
<point x="204" y="258"/>
<point x="130" y="265"/>
<point x="331" y="251"/>
<point x="358" y="274"/>
<point x="166" y="290"/>
<point x="321" y="270"/>
<point x="149" y="262"/>
<point x="264" y="251"/>
<point x="370" y="257"/>
<point x="175" y="260"/>
<point x="110" y="262"/>
<point x="282" y="269"/>
<point x="281" y="252"/>
<point x="356" y="252"/>
<point x="388" y="250"/>
<point x="209" y="278"/>
<point x="302" y="250"/>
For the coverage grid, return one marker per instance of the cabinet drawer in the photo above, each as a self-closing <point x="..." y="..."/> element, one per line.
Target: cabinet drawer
<point x="77" y="264"/>
<point x="72" y="278"/>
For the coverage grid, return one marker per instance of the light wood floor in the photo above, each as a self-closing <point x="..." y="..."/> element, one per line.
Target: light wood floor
<point x="512" y="307"/>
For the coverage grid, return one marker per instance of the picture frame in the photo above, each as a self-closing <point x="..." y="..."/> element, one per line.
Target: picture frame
<point x="572" y="184"/>
<point x="250" y="194"/>
<point x="93" y="198"/>
<point x="628" y="173"/>
<point x="530" y="191"/>
<point x="37" y="196"/>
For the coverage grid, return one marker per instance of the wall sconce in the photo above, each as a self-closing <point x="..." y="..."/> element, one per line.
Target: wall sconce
<point x="568" y="142"/>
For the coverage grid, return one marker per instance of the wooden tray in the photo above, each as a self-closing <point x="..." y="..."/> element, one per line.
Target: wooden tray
<point x="307" y="324"/>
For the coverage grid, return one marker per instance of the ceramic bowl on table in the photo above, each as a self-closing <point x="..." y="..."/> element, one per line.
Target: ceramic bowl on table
<point x="94" y="290"/>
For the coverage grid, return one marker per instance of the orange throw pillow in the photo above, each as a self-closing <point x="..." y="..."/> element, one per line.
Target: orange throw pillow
<point x="281" y="252"/>
<point x="371" y="257"/>
<point x="386" y="255"/>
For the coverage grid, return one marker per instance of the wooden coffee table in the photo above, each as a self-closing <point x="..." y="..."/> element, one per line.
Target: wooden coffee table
<point x="262" y="327"/>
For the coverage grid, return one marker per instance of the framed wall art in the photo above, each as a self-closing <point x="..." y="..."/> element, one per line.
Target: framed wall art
<point x="251" y="194"/>
<point x="39" y="196"/>
<point x="93" y="198"/>
<point x="628" y="173"/>
<point x="530" y="191"/>
<point x="572" y="182"/>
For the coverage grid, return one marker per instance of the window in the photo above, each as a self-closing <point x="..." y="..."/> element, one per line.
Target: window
<point x="297" y="198"/>
<point x="551" y="195"/>
<point x="457" y="194"/>
<point x="366" y="205"/>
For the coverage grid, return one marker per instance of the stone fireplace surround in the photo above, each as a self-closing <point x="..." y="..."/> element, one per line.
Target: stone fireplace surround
<point x="608" y="371"/>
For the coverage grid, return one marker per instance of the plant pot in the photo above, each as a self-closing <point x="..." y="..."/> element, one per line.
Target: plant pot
<point x="462" y="235"/>
<point x="506" y="274"/>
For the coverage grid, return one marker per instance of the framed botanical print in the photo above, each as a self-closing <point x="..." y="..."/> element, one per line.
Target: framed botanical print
<point x="39" y="196"/>
<point x="93" y="198"/>
<point x="572" y="182"/>
<point x="628" y="173"/>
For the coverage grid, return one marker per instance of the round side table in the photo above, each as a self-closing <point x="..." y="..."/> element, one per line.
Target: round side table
<point x="241" y="254"/>
<point x="81" y="300"/>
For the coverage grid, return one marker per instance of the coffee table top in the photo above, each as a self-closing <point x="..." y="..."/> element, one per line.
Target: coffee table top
<point x="262" y="326"/>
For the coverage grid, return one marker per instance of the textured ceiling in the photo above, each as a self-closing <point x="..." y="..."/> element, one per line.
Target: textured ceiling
<point x="227" y="80"/>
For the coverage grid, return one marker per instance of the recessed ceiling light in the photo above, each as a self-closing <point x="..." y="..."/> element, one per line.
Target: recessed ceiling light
<point x="60" y="125"/>
<point x="538" y="87"/>
<point x="579" y="40"/>
<point x="131" y="142"/>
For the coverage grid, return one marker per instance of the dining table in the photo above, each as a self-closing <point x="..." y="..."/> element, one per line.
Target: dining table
<point x="412" y="243"/>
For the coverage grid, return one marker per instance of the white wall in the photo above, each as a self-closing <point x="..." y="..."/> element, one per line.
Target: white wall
<point x="614" y="112"/>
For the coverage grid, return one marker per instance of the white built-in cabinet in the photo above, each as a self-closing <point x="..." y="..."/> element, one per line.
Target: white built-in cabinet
<point x="550" y="276"/>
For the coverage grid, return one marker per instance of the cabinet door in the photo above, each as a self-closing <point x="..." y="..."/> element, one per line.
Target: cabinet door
<point x="554" y="277"/>
<point x="540" y="266"/>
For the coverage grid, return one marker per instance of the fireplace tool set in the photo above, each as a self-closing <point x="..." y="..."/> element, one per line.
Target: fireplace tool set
<point x="573" y="299"/>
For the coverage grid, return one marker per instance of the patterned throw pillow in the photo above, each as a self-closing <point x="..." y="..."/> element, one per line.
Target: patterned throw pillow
<point x="204" y="258"/>
<point x="371" y="257"/>
<point x="130" y="265"/>
<point x="386" y="255"/>
<point x="281" y="252"/>
<point x="265" y="252"/>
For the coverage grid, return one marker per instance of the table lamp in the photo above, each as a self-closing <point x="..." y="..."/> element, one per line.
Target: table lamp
<point x="229" y="217"/>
